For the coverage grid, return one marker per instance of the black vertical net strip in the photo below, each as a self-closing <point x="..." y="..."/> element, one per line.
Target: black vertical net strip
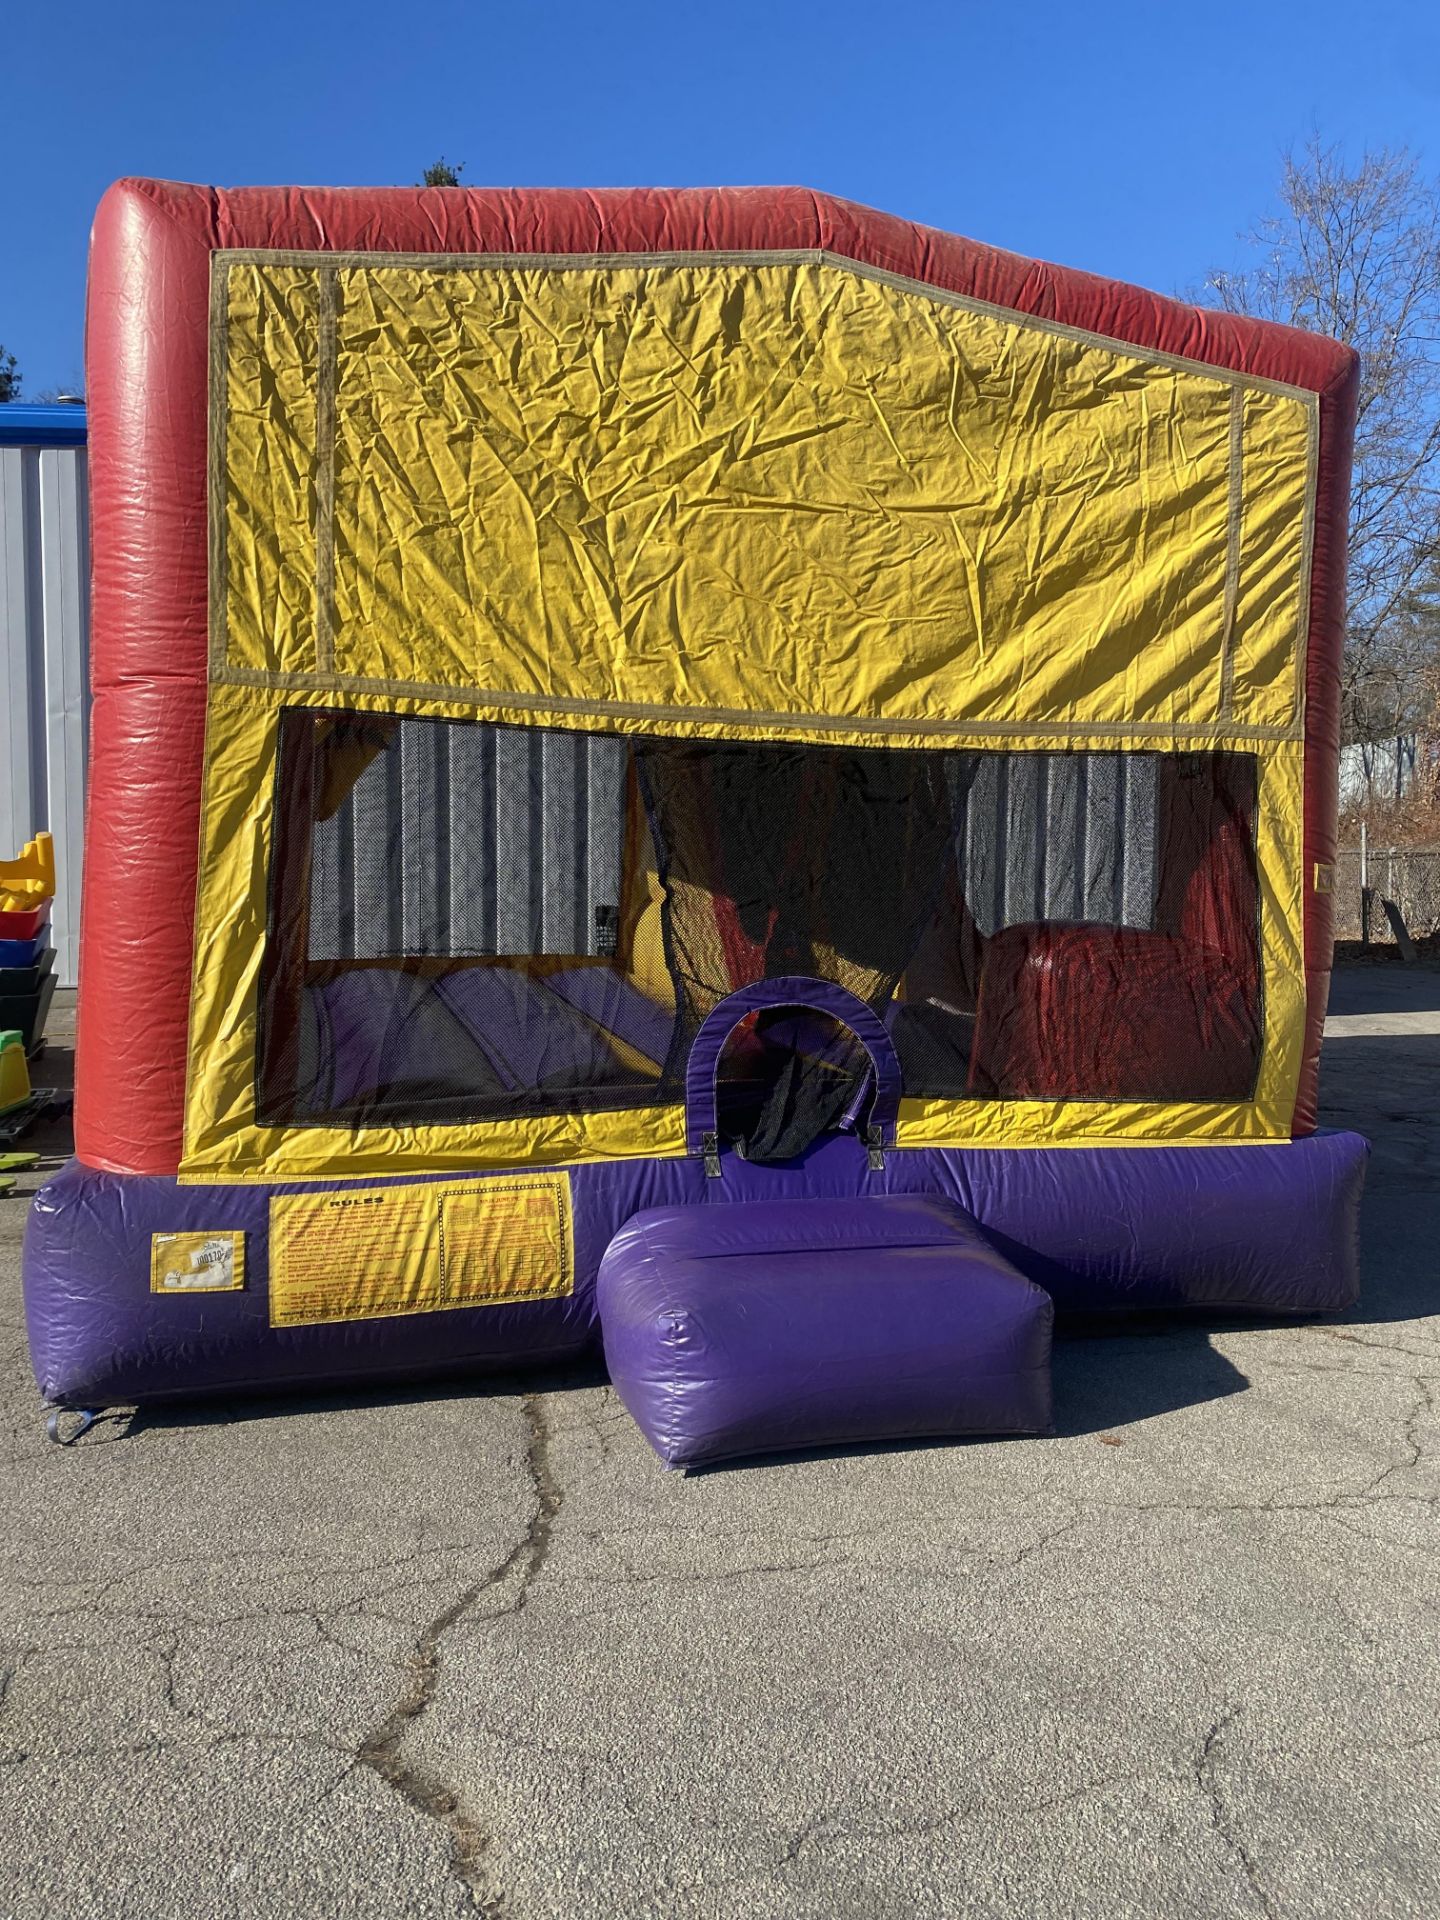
<point x="455" y="918"/>
<point x="284" y="1061"/>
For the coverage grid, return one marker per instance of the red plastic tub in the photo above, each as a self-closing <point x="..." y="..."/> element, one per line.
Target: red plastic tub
<point x="25" y="923"/>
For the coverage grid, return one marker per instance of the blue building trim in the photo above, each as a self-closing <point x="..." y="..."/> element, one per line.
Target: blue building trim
<point x="23" y="425"/>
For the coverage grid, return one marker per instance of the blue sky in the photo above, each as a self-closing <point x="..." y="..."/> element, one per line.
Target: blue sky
<point x="1135" y="139"/>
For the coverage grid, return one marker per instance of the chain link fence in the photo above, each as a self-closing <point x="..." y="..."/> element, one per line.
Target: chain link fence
<point x="1410" y="876"/>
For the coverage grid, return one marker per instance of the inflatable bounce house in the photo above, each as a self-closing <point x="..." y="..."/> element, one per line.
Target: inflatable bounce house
<point x="715" y="770"/>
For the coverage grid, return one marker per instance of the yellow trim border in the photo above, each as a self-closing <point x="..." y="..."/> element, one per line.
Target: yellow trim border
<point x="223" y="1144"/>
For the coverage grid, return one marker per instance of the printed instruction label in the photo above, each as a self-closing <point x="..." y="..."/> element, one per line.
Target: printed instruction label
<point x="197" y="1262"/>
<point x="368" y="1253"/>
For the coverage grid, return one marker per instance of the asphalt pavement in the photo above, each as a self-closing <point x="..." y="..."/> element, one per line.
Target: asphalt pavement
<point x="469" y="1649"/>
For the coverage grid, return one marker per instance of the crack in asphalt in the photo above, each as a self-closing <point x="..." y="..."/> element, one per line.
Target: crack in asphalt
<point x="381" y="1751"/>
<point x="1221" y="1819"/>
<point x="1423" y="1352"/>
<point x="826" y="1827"/>
<point x="1423" y="1408"/>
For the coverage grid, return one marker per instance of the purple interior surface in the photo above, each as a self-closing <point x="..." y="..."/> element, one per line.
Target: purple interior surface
<point x="382" y="1026"/>
<point x="616" y="1004"/>
<point x="366" y="1039"/>
<point x="533" y="1038"/>
<point x="1264" y="1229"/>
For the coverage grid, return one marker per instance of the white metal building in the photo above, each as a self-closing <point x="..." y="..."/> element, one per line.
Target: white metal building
<point x="1386" y="769"/>
<point x="44" y="647"/>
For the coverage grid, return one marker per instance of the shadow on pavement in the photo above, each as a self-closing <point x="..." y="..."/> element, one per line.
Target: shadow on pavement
<point x="1131" y="1369"/>
<point x="291" y="1403"/>
<point x="1385" y="986"/>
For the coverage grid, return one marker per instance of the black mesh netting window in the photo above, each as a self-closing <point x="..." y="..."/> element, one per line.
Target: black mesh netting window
<point x="469" y="921"/>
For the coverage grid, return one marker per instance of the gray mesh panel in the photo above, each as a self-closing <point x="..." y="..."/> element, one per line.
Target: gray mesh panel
<point x="1052" y="836"/>
<point x="460" y="839"/>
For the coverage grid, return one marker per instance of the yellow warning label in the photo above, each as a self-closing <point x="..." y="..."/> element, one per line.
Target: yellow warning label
<point x="197" y="1262"/>
<point x="366" y="1253"/>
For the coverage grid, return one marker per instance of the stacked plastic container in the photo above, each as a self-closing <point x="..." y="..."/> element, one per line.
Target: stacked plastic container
<point x="27" y="959"/>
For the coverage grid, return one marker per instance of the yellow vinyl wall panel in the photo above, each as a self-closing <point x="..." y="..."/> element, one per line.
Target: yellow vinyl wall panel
<point x="743" y="500"/>
<point x="263" y="439"/>
<point x="1273" y="575"/>
<point x="770" y="490"/>
<point x="749" y="490"/>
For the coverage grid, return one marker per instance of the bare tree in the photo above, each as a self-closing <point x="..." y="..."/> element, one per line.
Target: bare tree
<point x="69" y="391"/>
<point x="1355" y="252"/>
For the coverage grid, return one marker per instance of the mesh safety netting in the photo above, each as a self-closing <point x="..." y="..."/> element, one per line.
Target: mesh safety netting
<point x="469" y="921"/>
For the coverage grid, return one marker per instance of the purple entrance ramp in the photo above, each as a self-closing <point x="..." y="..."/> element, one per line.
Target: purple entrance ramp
<point x="762" y="1326"/>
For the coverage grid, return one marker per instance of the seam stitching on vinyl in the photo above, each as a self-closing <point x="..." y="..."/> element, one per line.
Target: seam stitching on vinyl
<point x="325" y="383"/>
<point x="203" y="1174"/>
<point x="1235" y="512"/>
<point x="218" y="462"/>
<point x="476" y="698"/>
<point x="1303" y="625"/>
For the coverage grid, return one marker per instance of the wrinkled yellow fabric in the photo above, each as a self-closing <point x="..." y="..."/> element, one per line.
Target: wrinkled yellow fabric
<point x="269" y="445"/>
<point x="758" y="489"/>
<point x="740" y="501"/>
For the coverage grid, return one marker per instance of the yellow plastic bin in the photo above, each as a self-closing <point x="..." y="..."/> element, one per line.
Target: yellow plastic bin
<point x="28" y="880"/>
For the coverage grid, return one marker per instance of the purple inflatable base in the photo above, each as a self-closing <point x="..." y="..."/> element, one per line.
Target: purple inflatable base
<point x="777" y="1325"/>
<point x="1269" y="1229"/>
